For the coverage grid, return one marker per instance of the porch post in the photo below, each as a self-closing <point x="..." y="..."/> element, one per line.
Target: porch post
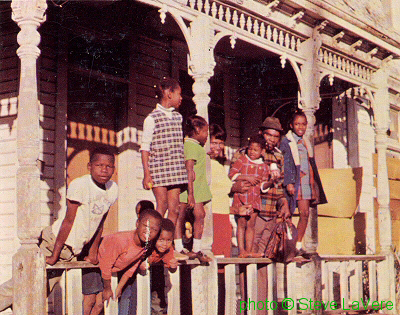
<point x="201" y="65"/>
<point x="381" y="114"/>
<point x="381" y="106"/>
<point x="28" y="262"/>
<point x="309" y="100"/>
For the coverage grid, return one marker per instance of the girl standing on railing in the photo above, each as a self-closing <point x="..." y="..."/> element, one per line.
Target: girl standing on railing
<point x="198" y="192"/>
<point x="301" y="179"/>
<point x="162" y="149"/>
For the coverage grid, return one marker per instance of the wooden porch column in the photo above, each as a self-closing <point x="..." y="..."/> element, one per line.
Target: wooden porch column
<point x="381" y="113"/>
<point x="309" y="99"/>
<point x="201" y="65"/>
<point x="28" y="262"/>
<point x="381" y="106"/>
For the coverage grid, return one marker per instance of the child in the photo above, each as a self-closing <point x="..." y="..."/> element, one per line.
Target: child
<point x="163" y="252"/>
<point x="88" y="200"/>
<point x="162" y="149"/>
<point x="251" y="168"/>
<point x="125" y="251"/>
<point x="301" y="178"/>
<point x="198" y="192"/>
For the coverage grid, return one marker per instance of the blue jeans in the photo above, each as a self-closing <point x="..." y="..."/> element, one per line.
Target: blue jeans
<point x="127" y="303"/>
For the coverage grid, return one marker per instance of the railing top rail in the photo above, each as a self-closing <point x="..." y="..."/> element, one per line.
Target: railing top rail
<point x="227" y="261"/>
<point x="85" y="264"/>
<point x="352" y="257"/>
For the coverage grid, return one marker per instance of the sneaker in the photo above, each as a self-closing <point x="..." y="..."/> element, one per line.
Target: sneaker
<point x="203" y="258"/>
<point x="180" y="256"/>
<point x="189" y="254"/>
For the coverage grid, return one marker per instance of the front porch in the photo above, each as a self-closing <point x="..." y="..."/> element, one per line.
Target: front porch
<point x="238" y="62"/>
<point x="344" y="284"/>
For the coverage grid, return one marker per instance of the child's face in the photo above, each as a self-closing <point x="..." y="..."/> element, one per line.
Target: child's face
<point x="254" y="151"/>
<point x="175" y="97"/>
<point x="164" y="241"/>
<point x="299" y="125"/>
<point x="101" y="168"/>
<point x="154" y="227"/>
<point x="202" y="135"/>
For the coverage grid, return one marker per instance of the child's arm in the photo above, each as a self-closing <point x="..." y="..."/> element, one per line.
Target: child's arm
<point x="107" y="292"/>
<point x="147" y="180"/>
<point x="118" y="291"/>
<point x="65" y="229"/>
<point x="236" y="175"/>
<point x="289" y="167"/>
<point x="191" y="177"/>
<point x="92" y="256"/>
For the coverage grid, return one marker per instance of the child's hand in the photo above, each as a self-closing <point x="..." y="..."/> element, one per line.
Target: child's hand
<point x="191" y="201"/>
<point x="253" y="180"/>
<point x="147" y="182"/>
<point x="51" y="260"/>
<point x="290" y="189"/>
<point x="245" y="210"/>
<point x="173" y="263"/>
<point x="107" y="295"/>
<point x="92" y="259"/>
<point x="118" y="292"/>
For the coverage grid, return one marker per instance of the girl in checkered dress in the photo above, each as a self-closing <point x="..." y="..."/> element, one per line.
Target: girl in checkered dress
<point x="162" y="149"/>
<point x="301" y="180"/>
<point x="249" y="167"/>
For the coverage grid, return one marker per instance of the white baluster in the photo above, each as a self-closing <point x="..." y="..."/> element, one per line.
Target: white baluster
<point x="262" y="30"/>
<point x="213" y="10"/>
<point x="275" y="35"/>
<point x="228" y="15"/>
<point x="344" y="285"/>
<point x="255" y="28"/>
<point x="293" y="43"/>
<point x="325" y="56"/>
<point x="330" y="60"/>
<point x="192" y="3"/>
<point x="221" y="13"/>
<point x="74" y="291"/>
<point x="174" y="302"/>
<point x="249" y="24"/>
<point x="235" y="18"/>
<point x="281" y="38"/>
<point x="242" y="21"/>
<point x="207" y="7"/>
<point x="298" y="44"/>
<point x="272" y="285"/>
<point x="252" y="285"/>
<point x="287" y="41"/>
<point x="269" y="32"/>
<point x="200" y="4"/>
<point x="230" y="289"/>
<point x="339" y="63"/>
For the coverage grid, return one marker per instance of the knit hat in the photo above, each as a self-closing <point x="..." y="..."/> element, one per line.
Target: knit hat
<point x="271" y="123"/>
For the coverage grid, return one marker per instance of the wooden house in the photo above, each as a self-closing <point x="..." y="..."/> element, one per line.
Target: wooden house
<point x="77" y="74"/>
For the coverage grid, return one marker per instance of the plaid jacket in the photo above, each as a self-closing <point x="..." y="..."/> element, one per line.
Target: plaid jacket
<point x="270" y="198"/>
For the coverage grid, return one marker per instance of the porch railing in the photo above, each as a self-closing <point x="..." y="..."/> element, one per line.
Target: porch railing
<point x="343" y="279"/>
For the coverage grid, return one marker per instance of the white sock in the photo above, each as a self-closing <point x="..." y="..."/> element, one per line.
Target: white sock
<point x="178" y="244"/>
<point x="298" y="245"/>
<point x="196" y="245"/>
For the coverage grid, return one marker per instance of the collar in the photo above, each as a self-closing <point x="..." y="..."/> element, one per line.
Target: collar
<point x="258" y="161"/>
<point x="192" y="140"/>
<point x="160" y="107"/>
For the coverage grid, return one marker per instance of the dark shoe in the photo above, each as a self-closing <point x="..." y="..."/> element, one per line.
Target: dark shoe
<point x="301" y="252"/>
<point x="190" y="254"/>
<point x="203" y="258"/>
